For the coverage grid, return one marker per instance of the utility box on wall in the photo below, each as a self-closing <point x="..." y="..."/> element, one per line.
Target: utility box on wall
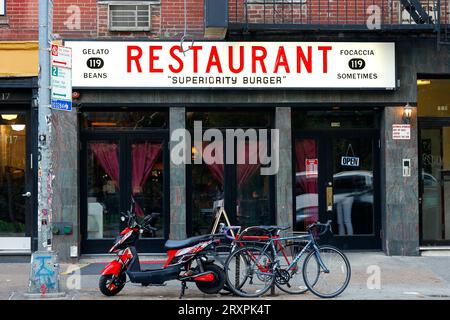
<point x="216" y="18"/>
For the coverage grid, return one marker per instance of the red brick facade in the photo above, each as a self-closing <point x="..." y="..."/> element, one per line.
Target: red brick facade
<point x="20" y="22"/>
<point x="79" y="19"/>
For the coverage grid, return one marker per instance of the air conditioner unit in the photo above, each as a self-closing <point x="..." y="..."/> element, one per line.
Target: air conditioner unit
<point x="129" y="17"/>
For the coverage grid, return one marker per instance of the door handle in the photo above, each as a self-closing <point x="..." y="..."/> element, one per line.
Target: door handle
<point x="26" y="194"/>
<point x="329" y="194"/>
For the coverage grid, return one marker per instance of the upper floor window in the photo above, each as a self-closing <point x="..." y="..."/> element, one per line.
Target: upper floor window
<point x="129" y="17"/>
<point x="2" y="7"/>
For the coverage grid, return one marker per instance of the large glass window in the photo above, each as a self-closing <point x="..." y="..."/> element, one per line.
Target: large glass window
<point x="433" y="97"/>
<point x="103" y="189"/>
<point x="123" y="120"/>
<point x="435" y="158"/>
<point x="245" y="193"/>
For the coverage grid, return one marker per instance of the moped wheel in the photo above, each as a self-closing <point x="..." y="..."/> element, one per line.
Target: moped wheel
<point x="213" y="286"/>
<point x="109" y="286"/>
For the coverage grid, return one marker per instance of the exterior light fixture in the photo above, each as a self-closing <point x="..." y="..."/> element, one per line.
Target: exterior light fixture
<point x="9" y="116"/>
<point x="407" y="112"/>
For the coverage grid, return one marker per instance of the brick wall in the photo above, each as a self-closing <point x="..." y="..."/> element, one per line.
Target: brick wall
<point x="167" y="20"/>
<point x="75" y="18"/>
<point x="21" y="21"/>
<point x="79" y="19"/>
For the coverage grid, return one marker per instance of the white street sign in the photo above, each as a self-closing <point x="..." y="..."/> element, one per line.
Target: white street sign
<point x="61" y="84"/>
<point x="61" y="56"/>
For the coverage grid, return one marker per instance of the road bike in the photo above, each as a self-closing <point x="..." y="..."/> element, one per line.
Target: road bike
<point x="254" y="266"/>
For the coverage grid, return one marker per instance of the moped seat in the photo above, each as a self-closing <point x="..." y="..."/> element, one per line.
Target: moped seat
<point x="178" y="244"/>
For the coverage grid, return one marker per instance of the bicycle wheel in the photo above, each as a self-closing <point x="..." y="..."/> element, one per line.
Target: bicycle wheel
<point x="328" y="284"/>
<point x="290" y="280"/>
<point x="249" y="272"/>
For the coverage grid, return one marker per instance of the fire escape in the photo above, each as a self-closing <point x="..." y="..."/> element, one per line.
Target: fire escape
<point x="430" y="17"/>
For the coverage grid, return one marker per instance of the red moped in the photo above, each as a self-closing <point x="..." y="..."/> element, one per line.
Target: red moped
<point x="188" y="260"/>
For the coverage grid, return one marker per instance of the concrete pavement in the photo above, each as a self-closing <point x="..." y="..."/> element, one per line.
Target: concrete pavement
<point x="374" y="276"/>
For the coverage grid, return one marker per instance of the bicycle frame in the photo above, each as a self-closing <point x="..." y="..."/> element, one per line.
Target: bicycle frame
<point x="310" y="244"/>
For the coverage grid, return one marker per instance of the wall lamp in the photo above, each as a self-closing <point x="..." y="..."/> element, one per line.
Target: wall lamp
<point x="407" y="112"/>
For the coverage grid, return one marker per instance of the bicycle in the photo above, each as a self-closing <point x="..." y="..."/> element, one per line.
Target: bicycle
<point x="252" y="268"/>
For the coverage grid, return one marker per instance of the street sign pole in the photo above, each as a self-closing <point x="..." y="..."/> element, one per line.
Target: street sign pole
<point x="44" y="274"/>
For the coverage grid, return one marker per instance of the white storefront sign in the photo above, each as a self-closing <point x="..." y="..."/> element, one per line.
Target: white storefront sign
<point x="107" y="64"/>
<point x="350" y="161"/>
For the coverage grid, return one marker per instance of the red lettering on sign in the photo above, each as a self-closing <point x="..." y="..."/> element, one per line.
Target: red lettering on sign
<point x="177" y="58"/>
<point x="325" y="50"/>
<point x="281" y="61"/>
<point x="241" y="59"/>
<point x="134" y="58"/>
<point x="259" y="58"/>
<point x="213" y="60"/>
<point x="195" y="50"/>
<point x="307" y="62"/>
<point x="154" y="58"/>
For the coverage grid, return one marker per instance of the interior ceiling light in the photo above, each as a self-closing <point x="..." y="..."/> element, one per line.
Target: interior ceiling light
<point x="9" y="116"/>
<point x="423" y="82"/>
<point x="17" y="127"/>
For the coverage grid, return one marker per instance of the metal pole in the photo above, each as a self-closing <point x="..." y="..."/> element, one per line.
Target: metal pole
<point x="44" y="274"/>
<point x="44" y="130"/>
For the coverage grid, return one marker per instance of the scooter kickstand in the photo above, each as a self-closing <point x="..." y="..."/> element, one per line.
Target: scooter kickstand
<point x="183" y="288"/>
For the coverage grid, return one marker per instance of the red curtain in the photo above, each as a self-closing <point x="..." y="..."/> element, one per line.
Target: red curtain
<point x="245" y="171"/>
<point x="304" y="184"/>
<point x="107" y="156"/>
<point x="143" y="157"/>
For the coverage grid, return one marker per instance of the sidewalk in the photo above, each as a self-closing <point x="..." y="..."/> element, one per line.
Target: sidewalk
<point x="401" y="278"/>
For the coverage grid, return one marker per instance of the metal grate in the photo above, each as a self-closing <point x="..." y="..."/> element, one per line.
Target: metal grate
<point x="338" y="14"/>
<point x="129" y="17"/>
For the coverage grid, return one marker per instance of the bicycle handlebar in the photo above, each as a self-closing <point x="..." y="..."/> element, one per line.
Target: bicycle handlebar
<point x="327" y="226"/>
<point x="227" y="231"/>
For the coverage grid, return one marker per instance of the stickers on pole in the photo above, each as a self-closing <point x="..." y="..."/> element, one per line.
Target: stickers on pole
<point x="61" y="78"/>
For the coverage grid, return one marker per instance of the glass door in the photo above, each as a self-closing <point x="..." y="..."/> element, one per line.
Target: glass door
<point x="15" y="219"/>
<point x="336" y="179"/>
<point x="119" y="167"/>
<point x="435" y="185"/>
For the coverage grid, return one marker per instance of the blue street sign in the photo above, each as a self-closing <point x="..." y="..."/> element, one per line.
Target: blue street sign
<point x="61" y="105"/>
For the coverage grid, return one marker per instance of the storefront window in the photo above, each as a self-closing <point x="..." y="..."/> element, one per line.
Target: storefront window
<point x="239" y="187"/>
<point x="334" y="119"/>
<point x="123" y="120"/>
<point x="103" y="189"/>
<point x="434" y="120"/>
<point x="433" y="97"/>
